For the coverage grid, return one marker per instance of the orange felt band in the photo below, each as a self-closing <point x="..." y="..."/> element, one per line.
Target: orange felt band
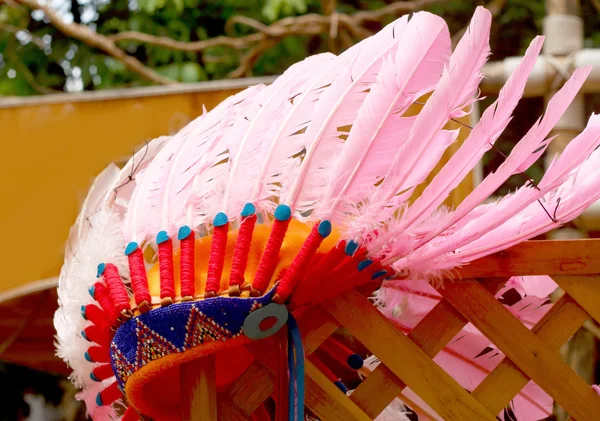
<point x="154" y="389"/>
<point x="294" y="239"/>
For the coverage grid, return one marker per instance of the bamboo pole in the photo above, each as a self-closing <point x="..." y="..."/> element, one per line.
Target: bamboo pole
<point x="563" y="43"/>
<point x="563" y="29"/>
<point x="198" y="392"/>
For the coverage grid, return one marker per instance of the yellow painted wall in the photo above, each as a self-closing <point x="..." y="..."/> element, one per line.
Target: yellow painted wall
<point x="52" y="148"/>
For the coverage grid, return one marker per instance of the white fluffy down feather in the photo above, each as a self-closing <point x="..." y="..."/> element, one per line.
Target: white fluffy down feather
<point x="104" y="243"/>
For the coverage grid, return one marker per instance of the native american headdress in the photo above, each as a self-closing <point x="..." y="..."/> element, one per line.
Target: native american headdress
<point x="287" y="195"/>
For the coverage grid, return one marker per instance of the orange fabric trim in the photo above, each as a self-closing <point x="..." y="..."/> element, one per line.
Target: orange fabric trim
<point x="154" y="389"/>
<point x="297" y="233"/>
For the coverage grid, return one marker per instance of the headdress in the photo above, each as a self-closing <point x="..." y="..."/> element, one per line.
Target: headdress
<point x="284" y="196"/>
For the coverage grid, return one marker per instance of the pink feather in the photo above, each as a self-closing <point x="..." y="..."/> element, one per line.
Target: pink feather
<point x="565" y="203"/>
<point x="337" y="109"/>
<point x="379" y="129"/>
<point x="120" y="192"/>
<point x="493" y="122"/>
<point x="197" y="159"/>
<point x="255" y="131"/>
<point x="536" y="135"/>
<point x="281" y="160"/>
<point x="145" y="208"/>
<point x="455" y="90"/>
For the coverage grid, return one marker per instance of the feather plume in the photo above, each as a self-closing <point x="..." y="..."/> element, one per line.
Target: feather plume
<point x="120" y="192"/>
<point x="455" y="91"/>
<point x="281" y="160"/>
<point x="335" y="110"/>
<point x="520" y="153"/>
<point x="255" y="131"/>
<point x="198" y="156"/>
<point x="512" y="204"/>
<point x="493" y="122"/>
<point x="379" y="129"/>
<point x="564" y="204"/>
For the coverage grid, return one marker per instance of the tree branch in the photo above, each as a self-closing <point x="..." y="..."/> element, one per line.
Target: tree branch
<point x="95" y="40"/>
<point x="309" y="24"/>
<point x="344" y="26"/>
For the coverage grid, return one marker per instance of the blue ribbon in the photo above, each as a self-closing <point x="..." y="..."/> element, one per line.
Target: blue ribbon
<point x="296" y="370"/>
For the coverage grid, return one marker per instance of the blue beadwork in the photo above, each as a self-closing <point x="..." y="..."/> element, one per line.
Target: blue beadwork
<point x="178" y="327"/>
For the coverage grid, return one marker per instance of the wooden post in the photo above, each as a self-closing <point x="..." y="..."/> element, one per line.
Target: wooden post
<point x="564" y="36"/>
<point x="562" y="43"/>
<point x="198" y="384"/>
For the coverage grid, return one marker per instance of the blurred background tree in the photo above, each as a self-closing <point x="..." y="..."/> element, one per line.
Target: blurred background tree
<point x="37" y="57"/>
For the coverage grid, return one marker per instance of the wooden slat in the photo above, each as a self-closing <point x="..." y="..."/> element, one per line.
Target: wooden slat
<point x="506" y="380"/>
<point x="315" y="325"/>
<point x="524" y="348"/>
<point x="327" y="401"/>
<point x="319" y="396"/>
<point x="405" y="359"/>
<point x="252" y="388"/>
<point x="228" y="412"/>
<point x="432" y="333"/>
<point x="199" y="389"/>
<point x="585" y="290"/>
<point x="545" y="257"/>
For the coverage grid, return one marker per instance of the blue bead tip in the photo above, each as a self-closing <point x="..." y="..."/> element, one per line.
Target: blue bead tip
<point x="341" y="386"/>
<point x="379" y="274"/>
<point x="283" y="213"/>
<point x="220" y="219"/>
<point x="162" y="237"/>
<point x="184" y="232"/>
<point x="131" y="247"/>
<point x="364" y="264"/>
<point x="249" y="210"/>
<point x="355" y="361"/>
<point x="324" y="228"/>
<point x="351" y="247"/>
<point x="101" y="269"/>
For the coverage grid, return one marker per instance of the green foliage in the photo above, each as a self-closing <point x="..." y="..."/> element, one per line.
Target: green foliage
<point x="41" y="58"/>
<point x="274" y="9"/>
